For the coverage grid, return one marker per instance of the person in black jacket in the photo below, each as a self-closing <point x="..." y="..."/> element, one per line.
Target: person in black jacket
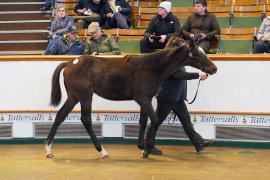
<point x="117" y="14"/>
<point x="171" y="97"/>
<point x="87" y="8"/>
<point x="160" y="29"/>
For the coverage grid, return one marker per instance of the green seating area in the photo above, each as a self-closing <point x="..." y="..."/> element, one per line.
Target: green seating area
<point x="234" y="14"/>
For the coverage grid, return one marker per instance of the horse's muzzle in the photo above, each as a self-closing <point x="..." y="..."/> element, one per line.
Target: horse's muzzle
<point x="212" y="70"/>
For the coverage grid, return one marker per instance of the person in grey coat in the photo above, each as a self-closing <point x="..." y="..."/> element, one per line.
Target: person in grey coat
<point x="262" y="44"/>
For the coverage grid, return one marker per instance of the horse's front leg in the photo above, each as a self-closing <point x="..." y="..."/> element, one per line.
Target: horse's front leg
<point x="60" y="117"/>
<point x="86" y="106"/>
<point x="143" y="123"/>
<point x="147" y="107"/>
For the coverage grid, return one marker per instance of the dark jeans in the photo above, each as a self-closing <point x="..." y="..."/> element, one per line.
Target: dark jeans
<point x="261" y="47"/>
<point x="118" y="21"/>
<point x="147" y="47"/>
<point x="180" y="109"/>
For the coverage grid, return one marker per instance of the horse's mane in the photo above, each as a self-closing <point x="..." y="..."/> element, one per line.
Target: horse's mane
<point x="157" y="59"/>
<point x="145" y="61"/>
<point x="149" y="61"/>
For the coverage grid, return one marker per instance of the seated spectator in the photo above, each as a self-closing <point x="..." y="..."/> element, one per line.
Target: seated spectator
<point x="117" y="14"/>
<point x="87" y="8"/>
<point x="160" y="29"/>
<point x="201" y="26"/>
<point x="67" y="44"/>
<point x="263" y="37"/>
<point x="60" y="24"/>
<point x="47" y="6"/>
<point x="100" y="43"/>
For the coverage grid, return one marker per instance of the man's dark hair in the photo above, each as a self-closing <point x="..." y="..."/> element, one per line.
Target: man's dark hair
<point x="202" y="2"/>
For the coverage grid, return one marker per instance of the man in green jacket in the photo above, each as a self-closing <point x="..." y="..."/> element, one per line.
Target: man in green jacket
<point x="100" y="43"/>
<point x="201" y="26"/>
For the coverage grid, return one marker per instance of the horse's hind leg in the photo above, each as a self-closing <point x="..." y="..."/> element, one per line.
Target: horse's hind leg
<point x="143" y="123"/>
<point x="60" y="117"/>
<point x="86" y="106"/>
<point x="147" y="107"/>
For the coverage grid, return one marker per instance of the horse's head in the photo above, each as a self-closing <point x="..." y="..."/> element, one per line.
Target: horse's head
<point x="194" y="56"/>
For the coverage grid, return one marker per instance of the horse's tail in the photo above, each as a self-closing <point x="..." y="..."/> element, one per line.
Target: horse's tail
<point x="56" y="94"/>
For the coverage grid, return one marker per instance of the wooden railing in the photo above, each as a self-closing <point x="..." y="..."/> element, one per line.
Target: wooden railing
<point x="213" y="57"/>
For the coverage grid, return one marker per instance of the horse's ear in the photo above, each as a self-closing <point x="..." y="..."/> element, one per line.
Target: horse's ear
<point x="192" y="44"/>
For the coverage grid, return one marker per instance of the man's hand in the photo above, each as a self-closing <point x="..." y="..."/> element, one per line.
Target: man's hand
<point x="163" y="38"/>
<point x="203" y="76"/>
<point x="202" y="36"/>
<point x="82" y="10"/>
<point x="263" y="38"/>
<point x="191" y="36"/>
<point x="109" y="15"/>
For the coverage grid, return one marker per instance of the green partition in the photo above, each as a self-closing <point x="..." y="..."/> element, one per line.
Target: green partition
<point x="182" y="3"/>
<point x="246" y="22"/>
<point x="235" y="46"/>
<point x="129" y="46"/>
<point x="224" y="22"/>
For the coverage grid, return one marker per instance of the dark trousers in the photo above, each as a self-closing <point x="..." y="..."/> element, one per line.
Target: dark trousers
<point x="261" y="47"/>
<point x="118" y="21"/>
<point x="180" y="109"/>
<point x="205" y="45"/>
<point x="147" y="47"/>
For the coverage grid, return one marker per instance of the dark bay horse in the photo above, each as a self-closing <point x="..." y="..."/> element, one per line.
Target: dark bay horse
<point x="132" y="77"/>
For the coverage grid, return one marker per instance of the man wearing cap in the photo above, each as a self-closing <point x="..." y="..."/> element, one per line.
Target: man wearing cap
<point x="201" y="26"/>
<point x="160" y="29"/>
<point x="100" y="43"/>
<point x="69" y="43"/>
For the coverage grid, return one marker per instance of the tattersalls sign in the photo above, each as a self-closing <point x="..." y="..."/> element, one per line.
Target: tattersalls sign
<point x="227" y="119"/>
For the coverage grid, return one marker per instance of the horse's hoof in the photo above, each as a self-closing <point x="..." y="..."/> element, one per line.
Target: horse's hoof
<point x="50" y="156"/>
<point x="145" y="155"/>
<point x="106" y="156"/>
<point x="104" y="153"/>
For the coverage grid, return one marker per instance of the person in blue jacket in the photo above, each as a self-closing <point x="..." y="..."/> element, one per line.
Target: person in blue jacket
<point x="69" y="43"/>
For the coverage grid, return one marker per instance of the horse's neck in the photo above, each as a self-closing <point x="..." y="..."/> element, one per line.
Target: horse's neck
<point x="169" y="66"/>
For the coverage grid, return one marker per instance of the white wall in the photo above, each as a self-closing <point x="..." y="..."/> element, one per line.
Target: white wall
<point x="237" y="86"/>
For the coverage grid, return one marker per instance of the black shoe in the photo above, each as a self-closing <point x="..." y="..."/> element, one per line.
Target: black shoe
<point x="155" y="151"/>
<point x="45" y="8"/>
<point x="205" y="143"/>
